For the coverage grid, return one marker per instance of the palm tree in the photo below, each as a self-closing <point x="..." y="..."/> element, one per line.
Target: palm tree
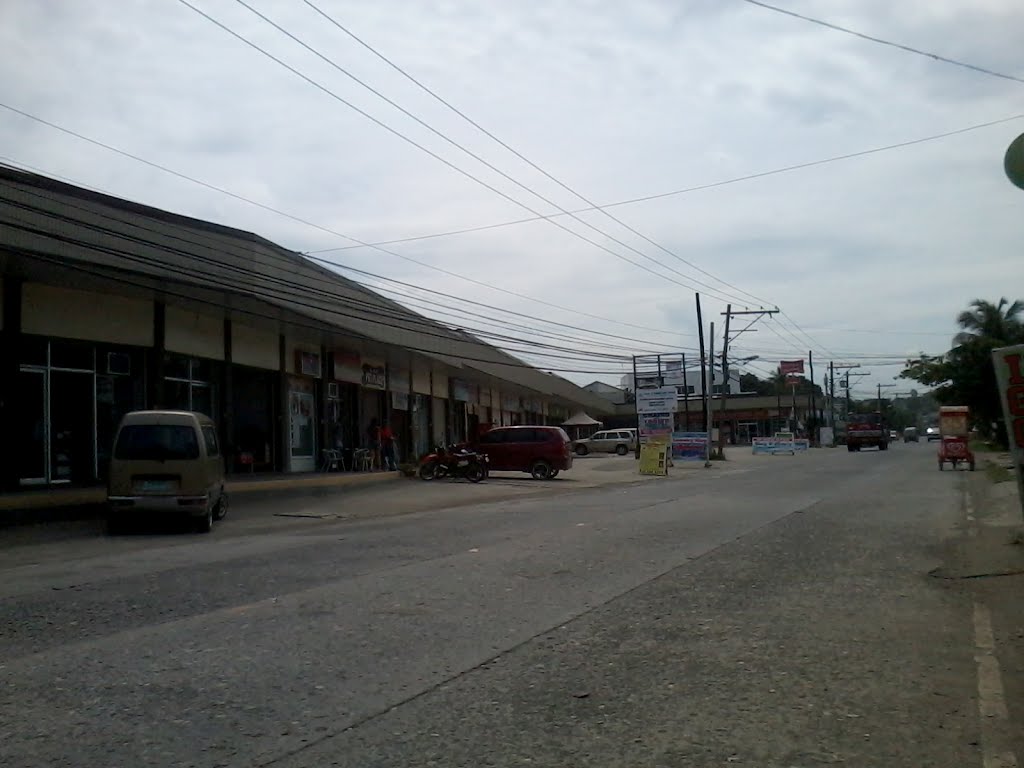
<point x="1000" y="323"/>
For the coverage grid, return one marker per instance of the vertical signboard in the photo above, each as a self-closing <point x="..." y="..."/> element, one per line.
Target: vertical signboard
<point x="1009" y="364"/>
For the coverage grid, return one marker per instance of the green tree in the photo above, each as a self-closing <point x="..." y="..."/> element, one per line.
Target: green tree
<point x="997" y="322"/>
<point x="965" y="375"/>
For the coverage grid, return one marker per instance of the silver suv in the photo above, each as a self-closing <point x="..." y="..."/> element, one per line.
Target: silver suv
<point x="620" y="441"/>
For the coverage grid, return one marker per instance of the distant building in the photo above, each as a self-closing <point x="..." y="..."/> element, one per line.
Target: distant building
<point x="609" y="392"/>
<point x="692" y="382"/>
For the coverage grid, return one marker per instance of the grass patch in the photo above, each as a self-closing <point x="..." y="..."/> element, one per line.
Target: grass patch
<point x="983" y="446"/>
<point x="997" y="473"/>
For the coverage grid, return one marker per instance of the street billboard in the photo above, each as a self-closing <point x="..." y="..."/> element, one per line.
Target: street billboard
<point x="655" y="426"/>
<point x="657" y="400"/>
<point x="788" y="367"/>
<point x="689" y="446"/>
<point x="1009" y="364"/>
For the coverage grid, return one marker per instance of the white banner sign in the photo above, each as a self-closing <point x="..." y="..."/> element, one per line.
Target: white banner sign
<point x="660" y="400"/>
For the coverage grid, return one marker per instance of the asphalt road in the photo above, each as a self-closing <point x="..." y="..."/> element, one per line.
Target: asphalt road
<point x="774" y="611"/>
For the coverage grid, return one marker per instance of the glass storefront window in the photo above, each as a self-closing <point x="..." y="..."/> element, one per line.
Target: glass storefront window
<point x="188" y="385"/>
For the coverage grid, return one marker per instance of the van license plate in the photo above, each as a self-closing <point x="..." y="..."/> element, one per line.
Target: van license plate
<point x="157" y="486"/>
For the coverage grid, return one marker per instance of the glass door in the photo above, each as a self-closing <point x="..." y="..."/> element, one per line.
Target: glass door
<point x="30" y="427"/>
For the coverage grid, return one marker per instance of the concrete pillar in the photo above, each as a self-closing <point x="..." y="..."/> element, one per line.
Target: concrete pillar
<point x="10" y="338"/>
<point x="227" y="400"/>
<point x="284" y="443"/>
<point x="155" y="372"/>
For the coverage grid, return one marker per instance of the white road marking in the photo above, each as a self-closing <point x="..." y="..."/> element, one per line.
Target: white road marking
<point x="991" y="698"/>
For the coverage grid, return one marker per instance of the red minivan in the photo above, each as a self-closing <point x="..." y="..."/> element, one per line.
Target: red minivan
<point x="541" y="451"/>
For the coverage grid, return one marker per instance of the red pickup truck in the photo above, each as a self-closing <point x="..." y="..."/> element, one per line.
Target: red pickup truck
<point x="866" y="430"/>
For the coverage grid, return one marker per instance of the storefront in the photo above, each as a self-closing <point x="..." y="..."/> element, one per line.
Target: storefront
<point x="252" y="434"/>
<point x="302" y="411"/>
<point x="400" y="418"/>
<point x="510" y="414"/>
<point x="463" y="398"/>
<point x="420" y="417"/>
<point x="421" y="424"/>
<point x="77" y="365"/>
<point x="251" y="446"/>
<point x="373" y="409"/>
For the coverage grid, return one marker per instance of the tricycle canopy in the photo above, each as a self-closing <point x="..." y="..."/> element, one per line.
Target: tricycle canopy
<point x="953" y="420"/>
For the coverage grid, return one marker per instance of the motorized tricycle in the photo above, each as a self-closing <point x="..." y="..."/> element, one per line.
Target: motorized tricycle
<point x="954" y="426"/>
<point x="454" y="461"/>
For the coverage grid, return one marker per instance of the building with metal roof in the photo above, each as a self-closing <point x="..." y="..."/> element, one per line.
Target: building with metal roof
<point x="109" y="305"/>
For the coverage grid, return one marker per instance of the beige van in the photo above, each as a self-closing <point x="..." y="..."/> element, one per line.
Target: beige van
<point x="166" y="462"/>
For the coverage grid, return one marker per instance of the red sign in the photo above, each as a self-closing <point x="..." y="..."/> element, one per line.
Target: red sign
<point x="1009" y="364"/>
<point x="1010" y="372"/>
<point x="787" y="367"/>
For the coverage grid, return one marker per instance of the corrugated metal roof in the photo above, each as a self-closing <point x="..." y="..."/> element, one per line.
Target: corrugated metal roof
<point x="49" y="219"/>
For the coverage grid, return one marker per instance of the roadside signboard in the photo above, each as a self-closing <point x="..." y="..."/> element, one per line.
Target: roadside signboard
<point x="689" y="446"/>
<point x="827" y="436"/>
<point x="657" y="400"/>
<point x="654" y="459"/>
<point x="774" y="445"/>
<point x="788" y="367"/>
<point x="655" y="427"/>
<point x="1009" y="364"/>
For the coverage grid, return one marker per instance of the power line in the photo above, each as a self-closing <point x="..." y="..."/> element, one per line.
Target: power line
<point x="890" y="43"/>
<point x="497" y="170"/>
<point x="443" y="160"/>
<point x="225" y="284"/>
<point x="699" y="187"/>
<point x="241" y="198"/>
<point x="451" y="310"/>
<point x="526" y="160"/>
<point x="336" y="331"/>
<point x="300" y="290"/>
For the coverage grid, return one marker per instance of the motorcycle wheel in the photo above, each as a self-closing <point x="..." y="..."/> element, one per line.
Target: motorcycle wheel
<point x="474" y="473"/>
<point x="428" y="471"/>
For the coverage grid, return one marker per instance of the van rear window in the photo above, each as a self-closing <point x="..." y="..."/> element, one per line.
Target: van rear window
<point x="156" y="442"/>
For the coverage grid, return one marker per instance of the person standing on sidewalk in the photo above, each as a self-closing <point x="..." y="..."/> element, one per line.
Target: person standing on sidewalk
<point x="387" y="444"/>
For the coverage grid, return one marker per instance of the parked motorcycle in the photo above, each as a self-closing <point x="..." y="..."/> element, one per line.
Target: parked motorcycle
<point x="453" y="462"/>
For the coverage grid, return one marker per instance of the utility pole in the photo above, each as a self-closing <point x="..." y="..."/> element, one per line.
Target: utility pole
<point x="841" y="366"/>
<point x="725" y="381"/>
<point x="703" y="369"/>
<point x="729" y="314"/>
<point x="830" y="384"/>
<point x="707" y="409"/>
<point x="814" y="407"/>
<point x="880" y="387"/>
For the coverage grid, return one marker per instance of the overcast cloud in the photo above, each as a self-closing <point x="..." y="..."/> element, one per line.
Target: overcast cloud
<point x="872" y="256"/>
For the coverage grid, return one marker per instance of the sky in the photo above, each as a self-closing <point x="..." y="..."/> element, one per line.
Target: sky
<point x="869" y="258"/>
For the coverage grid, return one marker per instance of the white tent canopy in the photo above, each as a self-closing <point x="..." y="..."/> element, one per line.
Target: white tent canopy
<point x="581" y="419"/>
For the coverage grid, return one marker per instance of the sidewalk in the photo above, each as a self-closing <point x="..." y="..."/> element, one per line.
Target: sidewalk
<point x="64" y="503"/>
<point x="990" y="565"/>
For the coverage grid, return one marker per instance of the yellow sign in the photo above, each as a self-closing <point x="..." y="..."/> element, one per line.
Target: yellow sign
<point x="654" y="459"/>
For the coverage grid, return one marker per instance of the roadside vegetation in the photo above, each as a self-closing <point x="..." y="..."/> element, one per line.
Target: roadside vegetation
<point x="965" y="374"/>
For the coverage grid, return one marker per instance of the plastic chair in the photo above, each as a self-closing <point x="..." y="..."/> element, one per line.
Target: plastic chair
<point x="332" y="461"/>
<point x="361" y="460"/>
